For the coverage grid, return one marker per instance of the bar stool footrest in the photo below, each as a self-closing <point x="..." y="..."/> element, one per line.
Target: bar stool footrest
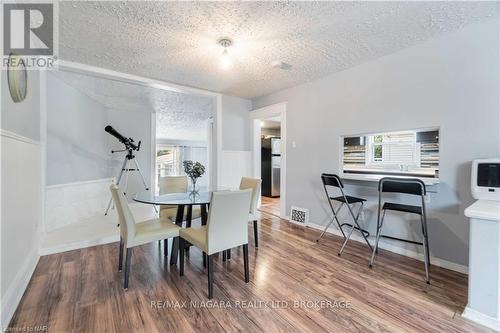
<point x="402" y="240"/>
<point x="366" y="232"/>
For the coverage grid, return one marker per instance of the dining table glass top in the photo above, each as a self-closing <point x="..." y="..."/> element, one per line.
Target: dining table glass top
<point x="201" y="197"/>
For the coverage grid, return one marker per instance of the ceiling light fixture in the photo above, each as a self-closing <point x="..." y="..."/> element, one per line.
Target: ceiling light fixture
<point x="225" y="60"/>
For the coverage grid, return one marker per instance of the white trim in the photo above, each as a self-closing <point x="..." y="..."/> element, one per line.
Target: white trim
<point x="129" y="78"/>
<point x="481" y="318"/>
<point x="218" y="141"/>
<point x="15" y="291"/>
<point x="274" y="110"/>
<point x="18" y="137"/>
<point x="152" y="170"/>
<point x="79" y="245"/>
<point x="43" y="149"/>
<point x="398" y="250"/>
<point x="102" y="180"/>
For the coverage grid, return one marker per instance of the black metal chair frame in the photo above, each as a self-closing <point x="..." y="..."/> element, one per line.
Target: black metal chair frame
<point x="338" y="183"/>
<point x="412" y="186"/>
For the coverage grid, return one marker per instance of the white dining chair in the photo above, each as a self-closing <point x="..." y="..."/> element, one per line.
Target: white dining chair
<point x="133" y="234"/>
<point x="255" y="185"/>
<point x="175" y="184"/>
<point x="226" y="228"/>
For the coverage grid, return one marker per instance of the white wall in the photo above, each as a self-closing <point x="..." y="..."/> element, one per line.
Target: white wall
<point x="78" y="148"/>
<point x="236" y="141"/>
<point x="451" y="81"/>
<point x="75" y="135"/>
<point x="20" y="192"/>
<point x="236" y="123"/>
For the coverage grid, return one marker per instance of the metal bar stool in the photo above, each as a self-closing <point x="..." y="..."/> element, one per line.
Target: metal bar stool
<point x="412" y="186"/>
<point x="334" y="181"/>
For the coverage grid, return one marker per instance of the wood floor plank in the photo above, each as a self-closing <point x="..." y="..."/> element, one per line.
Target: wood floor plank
<point x="291" y="279"/>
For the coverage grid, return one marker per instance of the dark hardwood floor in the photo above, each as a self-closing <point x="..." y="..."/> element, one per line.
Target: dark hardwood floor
<point x="81" y="290"/>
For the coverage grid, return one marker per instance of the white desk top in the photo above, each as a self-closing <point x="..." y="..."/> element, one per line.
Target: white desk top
<point x="484" y="209"/>
<point x="376" y="178"/>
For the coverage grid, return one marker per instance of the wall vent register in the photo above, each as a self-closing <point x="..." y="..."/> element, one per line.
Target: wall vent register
<point x="412" y="153"/>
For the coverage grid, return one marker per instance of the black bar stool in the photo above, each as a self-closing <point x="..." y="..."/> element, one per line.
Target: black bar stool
<point x="333" y="180"/>
<point x="412" y="186"/>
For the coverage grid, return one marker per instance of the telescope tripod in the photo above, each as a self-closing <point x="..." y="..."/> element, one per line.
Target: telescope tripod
<point x="126" y="168"/>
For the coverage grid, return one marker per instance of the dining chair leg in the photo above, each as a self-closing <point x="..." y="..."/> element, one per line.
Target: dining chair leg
<point x="210" y="266"/>
<point x="204" y="260"/>
<point x="128" y="258"/>
<point x="255" y="233"/>
<point x="165" y="247"/>
<point x="224" y="256"/>
<point x="228" y="255"/>
<point x="181" y="256"/>
<point x="120" y="255"/>
<point x="245" y="262"/>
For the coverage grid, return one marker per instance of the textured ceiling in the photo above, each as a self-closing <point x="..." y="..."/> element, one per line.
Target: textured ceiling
<point x="178" y="116"/>
<point x="176" y="41"/>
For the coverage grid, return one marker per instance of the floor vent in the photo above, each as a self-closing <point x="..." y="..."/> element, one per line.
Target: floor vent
<point x="299" y="215"/>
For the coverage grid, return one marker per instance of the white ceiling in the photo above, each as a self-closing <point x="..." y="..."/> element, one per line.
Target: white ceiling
<point x="179" y="116"/>
<point x="176" y="41"/>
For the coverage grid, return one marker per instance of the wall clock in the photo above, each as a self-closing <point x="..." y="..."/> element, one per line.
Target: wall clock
<point x="17" y="78"/>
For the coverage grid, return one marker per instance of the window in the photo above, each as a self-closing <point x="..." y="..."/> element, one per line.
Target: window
<point x="394" y="148"/>
<point x="412" y="152"/>
<point x="169" y="159"/>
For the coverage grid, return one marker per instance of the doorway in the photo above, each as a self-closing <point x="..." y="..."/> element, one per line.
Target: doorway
<point x="269" y="157"/>
<point x="270" y="165"/>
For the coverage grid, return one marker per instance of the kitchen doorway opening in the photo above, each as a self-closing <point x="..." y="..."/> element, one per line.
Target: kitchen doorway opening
<point x="270" y="165"/>
<point x="269" y="157"/>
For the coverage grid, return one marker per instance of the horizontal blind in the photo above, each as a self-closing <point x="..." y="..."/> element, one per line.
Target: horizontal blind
<point x="399" y="148"/>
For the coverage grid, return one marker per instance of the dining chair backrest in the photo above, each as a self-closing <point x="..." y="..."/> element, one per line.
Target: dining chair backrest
<point x="125" y="217"/>
<point x="227" y="224"/>
<point x="254" y="184"/>
<point x="413" y="186"/>
<point x="173" y="184"/>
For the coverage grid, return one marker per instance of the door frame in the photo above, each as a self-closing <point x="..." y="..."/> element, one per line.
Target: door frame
<point x="256" y="116"/>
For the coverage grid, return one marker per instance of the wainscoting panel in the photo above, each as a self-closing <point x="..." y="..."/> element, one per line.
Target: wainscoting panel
<point x="21" y="212"/>
<point x="72" y="203"/>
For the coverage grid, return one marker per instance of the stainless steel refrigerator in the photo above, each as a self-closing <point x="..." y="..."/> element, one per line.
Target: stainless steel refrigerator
<point x="270" y="167"/>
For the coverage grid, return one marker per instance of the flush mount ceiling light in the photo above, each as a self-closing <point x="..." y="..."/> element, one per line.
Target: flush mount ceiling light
<point x="225" y="60"/>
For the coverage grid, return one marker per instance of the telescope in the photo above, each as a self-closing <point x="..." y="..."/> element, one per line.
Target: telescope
<point x="128" y="142"/>
<point x="129" y="158"/>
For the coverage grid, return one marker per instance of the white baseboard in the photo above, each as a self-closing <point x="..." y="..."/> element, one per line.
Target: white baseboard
<point x="405" y="252"/>
<point x="15" y="291"/>
<point x="481" y="319"/>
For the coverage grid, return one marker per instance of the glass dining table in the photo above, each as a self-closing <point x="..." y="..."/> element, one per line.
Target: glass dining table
<point x="184" y="202"/>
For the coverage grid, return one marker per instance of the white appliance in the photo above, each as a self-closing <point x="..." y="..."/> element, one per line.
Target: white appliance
<point x="483" y="304"/>
<point x="485" y="179"/>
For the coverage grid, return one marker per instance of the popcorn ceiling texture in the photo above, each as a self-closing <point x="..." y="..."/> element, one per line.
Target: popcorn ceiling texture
<point x="177" y="41"/>
<point x="178" y="116"/>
